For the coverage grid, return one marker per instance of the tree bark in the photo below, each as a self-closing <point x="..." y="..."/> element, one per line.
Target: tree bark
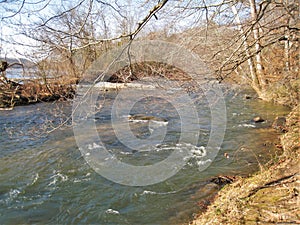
<point x="259" y="65"/>
<point x="254" y="78"/>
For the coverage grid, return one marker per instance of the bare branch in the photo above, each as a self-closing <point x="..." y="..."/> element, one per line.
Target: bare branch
<point x="16" y="13"/>
<point x="131" y="35"/>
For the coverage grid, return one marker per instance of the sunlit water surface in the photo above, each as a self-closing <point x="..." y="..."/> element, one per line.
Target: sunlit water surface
<point x="45" y="180"/>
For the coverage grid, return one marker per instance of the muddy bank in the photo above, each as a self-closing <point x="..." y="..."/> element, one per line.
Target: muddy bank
<point x="270" y="196"/>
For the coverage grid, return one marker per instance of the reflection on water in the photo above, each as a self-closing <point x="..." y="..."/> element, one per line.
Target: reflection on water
<point x="46" y="180"/>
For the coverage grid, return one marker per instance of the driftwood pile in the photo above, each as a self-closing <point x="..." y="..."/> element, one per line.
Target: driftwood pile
<point x="138" y="71"/>
<point x="13" y="94"/>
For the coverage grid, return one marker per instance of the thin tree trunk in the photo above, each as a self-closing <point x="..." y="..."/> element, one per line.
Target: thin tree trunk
<point x="287" y="46"/>
<point x="255" y="81"/>
<point x="287" y="53"/>
<point x="259" y="66"/>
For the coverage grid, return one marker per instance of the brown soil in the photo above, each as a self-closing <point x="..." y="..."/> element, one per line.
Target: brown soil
<point x="269" y="197"/>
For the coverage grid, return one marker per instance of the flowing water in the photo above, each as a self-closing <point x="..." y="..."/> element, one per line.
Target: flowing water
<point x="45" y="180"/>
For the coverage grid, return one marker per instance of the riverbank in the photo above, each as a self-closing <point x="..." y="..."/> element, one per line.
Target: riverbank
<point x="18" y="94"/>
<point x="269" y="196"/>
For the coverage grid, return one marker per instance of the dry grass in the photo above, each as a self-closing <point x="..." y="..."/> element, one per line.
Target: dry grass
<point x="270" y="196"/>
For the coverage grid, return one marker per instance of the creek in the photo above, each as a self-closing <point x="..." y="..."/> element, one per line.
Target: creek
<point x="45" y="180"/>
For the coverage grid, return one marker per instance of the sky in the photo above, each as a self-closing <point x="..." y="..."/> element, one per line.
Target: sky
<point x="35" y="11"/>
<point x="9" y="33"/>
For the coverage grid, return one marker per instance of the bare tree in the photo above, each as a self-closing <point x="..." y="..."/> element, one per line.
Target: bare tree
<point x="262" y="26"/>
<point x="80" y="28"/>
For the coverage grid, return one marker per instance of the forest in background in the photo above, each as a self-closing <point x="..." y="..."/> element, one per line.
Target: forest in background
<point x="250" y="42"/>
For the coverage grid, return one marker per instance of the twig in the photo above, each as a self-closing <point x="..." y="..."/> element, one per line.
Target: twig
<point x="269" y="184"/>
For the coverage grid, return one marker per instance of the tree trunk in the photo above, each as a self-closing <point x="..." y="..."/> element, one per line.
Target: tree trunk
<point x="287" y="54"/>
<point x="254" y="78"/>
<point x="259" y="67"/>
<point x="287" y="47"/>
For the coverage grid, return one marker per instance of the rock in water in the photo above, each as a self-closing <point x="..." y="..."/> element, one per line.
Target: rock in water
<point x="222" y="180"/>
<point x="280" y="124"/>
<point x="247" y="97"/>
<point x="258" y="119"/>
<point x="146" y="118"/>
